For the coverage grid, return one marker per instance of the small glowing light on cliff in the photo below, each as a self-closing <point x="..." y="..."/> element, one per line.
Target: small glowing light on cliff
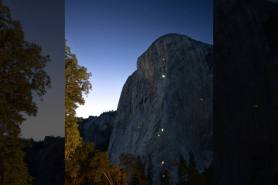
<point x="158" y="135"/>
<point x="163" y="59"/>
<point x="201" y="99"/>
<point x="163" y="76"/>
<point x="162" y="130"/>
<point x="256" y="106"/>
<point x="162" y="162"/>
<point x="163" y="175"/>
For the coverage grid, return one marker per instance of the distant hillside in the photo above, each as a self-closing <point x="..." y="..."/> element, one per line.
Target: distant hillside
<point x="97" y="130"/>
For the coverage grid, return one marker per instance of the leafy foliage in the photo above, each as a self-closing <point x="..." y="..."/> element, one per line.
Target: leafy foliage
<point x="22" y="76"/>
<point x="11" y="158"/>
<point x="88" y="166"/>
<point x="84" y="164"/>
<point x="189" y="175"/>
<point x="135" y="169"/>
<point x="76" y="83"/>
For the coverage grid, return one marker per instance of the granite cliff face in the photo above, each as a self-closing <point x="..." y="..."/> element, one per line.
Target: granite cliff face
<point x="246" y="92"/>
<point x="165" y="110"/>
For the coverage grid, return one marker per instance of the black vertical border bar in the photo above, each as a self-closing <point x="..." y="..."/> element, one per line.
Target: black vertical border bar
<point x="245" y="92"/>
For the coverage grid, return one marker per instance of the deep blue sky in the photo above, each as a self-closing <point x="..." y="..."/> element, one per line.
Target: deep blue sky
<point x="43" y="24"/>
<point x="108" y="35"/>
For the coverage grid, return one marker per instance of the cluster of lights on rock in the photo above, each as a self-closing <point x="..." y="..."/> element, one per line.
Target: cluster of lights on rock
<point x="161" y="130"/>
<point x="162" y="163"/>
<point x="163" y="75"/>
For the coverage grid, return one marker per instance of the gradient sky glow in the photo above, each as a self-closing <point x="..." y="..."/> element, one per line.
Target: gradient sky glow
<point x="47" y="30"/>
<point x="107" y="36"/>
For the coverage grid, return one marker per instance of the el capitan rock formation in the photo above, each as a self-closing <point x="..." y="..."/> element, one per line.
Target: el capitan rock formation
<point x="165" y="110"/>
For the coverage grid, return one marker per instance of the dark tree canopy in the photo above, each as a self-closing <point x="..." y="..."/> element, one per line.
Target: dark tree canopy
<point x="134" y="168"/>
<point x="22" y="76"/>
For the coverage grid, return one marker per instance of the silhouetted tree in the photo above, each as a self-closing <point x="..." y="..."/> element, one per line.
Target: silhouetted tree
<point x="189" y="175"/>
<point x="134" y="168"/>
<point x="183" y="170"/>
<point x="208" y="173"/>
<point x="22" y="76"/>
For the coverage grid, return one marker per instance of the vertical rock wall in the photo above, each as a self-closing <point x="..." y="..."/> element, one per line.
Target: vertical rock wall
<point x="165" y="110"/>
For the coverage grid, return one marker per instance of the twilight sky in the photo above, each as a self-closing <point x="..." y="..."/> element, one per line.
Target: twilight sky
<point x="43" y="23"/>
<point x="108" y="35"/>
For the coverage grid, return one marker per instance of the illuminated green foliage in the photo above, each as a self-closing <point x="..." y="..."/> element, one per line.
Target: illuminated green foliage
<point x="76" y="84"/>
<point x="84" y="165"/>
<point x="88" y="166"/>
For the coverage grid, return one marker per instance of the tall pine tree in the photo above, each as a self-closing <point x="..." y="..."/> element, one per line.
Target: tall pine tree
<point x="22" y="76"/>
